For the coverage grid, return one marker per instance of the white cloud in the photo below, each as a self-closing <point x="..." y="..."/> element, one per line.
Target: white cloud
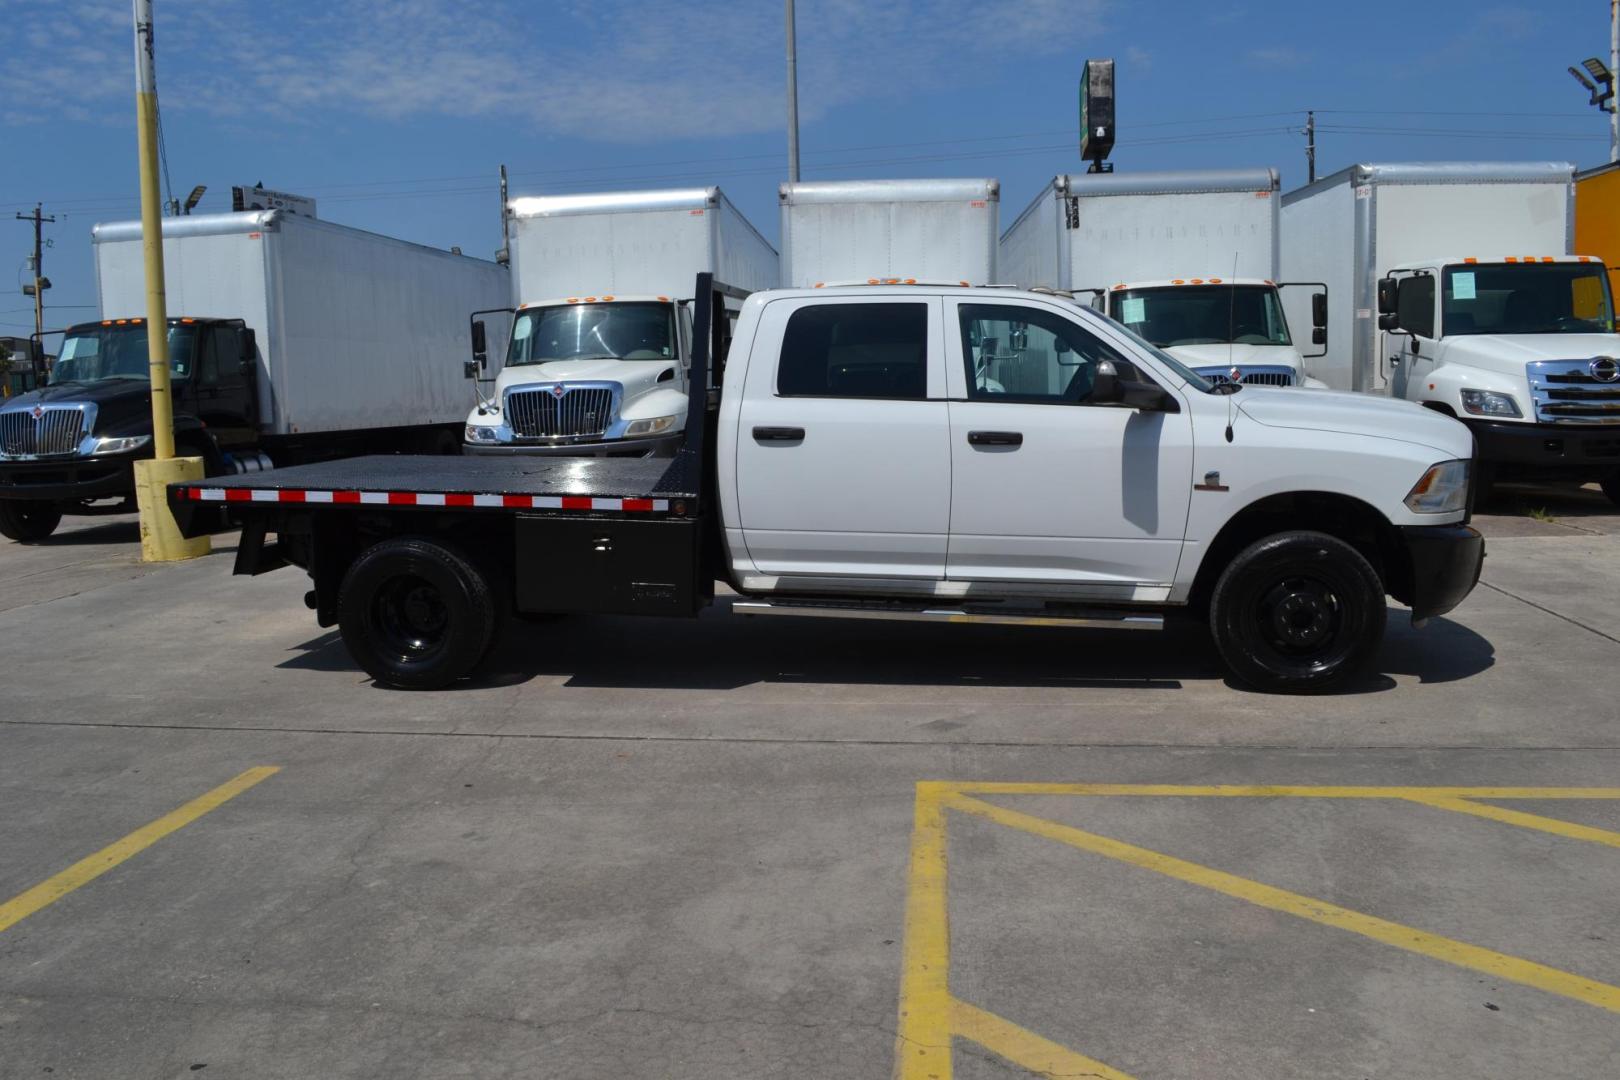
<point x="612" y="69"/>
<point x="1284" y="57"/>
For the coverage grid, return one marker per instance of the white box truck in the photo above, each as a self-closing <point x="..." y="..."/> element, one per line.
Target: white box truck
<point x="1187" y="260"/>
<point x="1458" y="281"/>
<point x="600" y="350"/>
<point x="290" y="340"/>
<point x="875" y="230"/>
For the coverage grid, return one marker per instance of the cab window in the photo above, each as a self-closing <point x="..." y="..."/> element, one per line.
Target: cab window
<point x="855" y="351"/>
<point x="1027" y="354"/>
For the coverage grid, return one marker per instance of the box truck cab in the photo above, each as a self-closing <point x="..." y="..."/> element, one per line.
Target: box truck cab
<point x="1522" y="349"/>
<point x="1187" y="259"/>
<point x="598" y="362"/>
<point x="1224" y="329"/>
<point x="294" y="340"/>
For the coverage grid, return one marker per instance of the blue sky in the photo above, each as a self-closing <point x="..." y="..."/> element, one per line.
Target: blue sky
<point x="396" y="113"/>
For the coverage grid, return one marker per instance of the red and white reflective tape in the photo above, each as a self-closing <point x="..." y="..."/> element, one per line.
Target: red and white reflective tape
<point x="427" y="498"/>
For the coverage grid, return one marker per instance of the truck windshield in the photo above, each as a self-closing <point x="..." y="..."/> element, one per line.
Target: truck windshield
<point x="97" y="353"/>
<point x="631" y="331"/>
<point x="1526" y="298"/>
<point x="1202" y="314"/>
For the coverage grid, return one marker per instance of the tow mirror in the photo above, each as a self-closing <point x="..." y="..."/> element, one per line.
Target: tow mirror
<point x="1319" y="311"/>
<point x="480" y="347"/>
<point x="1388" y="301"/>
<point x="1389" y="321"/>
<point x="469" y="368"/>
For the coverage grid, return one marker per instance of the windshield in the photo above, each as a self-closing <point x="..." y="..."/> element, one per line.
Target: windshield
<point x="1521" y="298"/>
<point x="97" y="353"/>
<point x="590" y="331"/>
<point x="1203" y="314"/>
<point x="1194" y="380"/>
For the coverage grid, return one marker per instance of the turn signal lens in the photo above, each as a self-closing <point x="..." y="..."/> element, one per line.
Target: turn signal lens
<point x="1443" y="489"/>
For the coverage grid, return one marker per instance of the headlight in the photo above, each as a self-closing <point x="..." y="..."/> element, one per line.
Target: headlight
<point x="482" y="433"/>
<point x="650" y="427"/>
<point x="120" y="444"/>
<point x="1443" y="489"/>
<point x="1489" y="403"/>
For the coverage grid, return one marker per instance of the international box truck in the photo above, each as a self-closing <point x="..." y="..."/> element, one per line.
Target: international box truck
<point x="859" y="466"/>
<point x="872" y="230"/>
<point x="598" y="363"/>
<point x="1187" y="260"/>
<point x="290" y="340"/>
<point x="1463" y="294"/>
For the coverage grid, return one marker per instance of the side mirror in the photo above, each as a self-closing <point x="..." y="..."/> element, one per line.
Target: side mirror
<point x="1105" y="384"/>
<point x="1389" y="321"/>
<point x="470" y="369"/>
<point x="1319" y="311"/>
<point x="1319" y="335"/>
<point x="480" y="345"/>
<point x="249" y="354"/>
<point x="1388" y="302"/>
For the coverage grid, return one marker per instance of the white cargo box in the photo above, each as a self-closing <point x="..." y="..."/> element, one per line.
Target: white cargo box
<point x="647" y="243"/>
<point x="1350" y="228"/>
<point x="856" y="230"/>
<point x="356" y="331"/>
<point x="1097" y="230"/>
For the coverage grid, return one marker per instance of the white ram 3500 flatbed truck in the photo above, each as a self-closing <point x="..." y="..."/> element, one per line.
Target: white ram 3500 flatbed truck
<point x="1187" y="260"/>
<point x="598" y="360"/>
<point x="910" y="452"/>
<point x="1466" y="300"/>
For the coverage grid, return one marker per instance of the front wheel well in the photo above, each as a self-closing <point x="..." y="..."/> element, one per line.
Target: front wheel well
<point x="1440" y="407"/>
<point x="1345" y="517"/>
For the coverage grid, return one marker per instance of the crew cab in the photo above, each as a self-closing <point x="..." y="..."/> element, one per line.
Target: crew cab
<point x="908" y="452"/>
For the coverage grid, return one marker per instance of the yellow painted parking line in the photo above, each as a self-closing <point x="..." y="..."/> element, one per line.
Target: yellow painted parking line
<point x="1411" y="939"/>
<point x="1556" y="826"/>
<point x="1024" y="1048"/>
<point x="923" y="1043"/>
<point x="972" y="787"/>
<point x="91" y="867"/>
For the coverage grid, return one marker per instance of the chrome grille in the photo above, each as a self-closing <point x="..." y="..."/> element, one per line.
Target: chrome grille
<point x="1258" y="375"/>
<point x="1567" y="392"/>
<point x="57" y="431"/>
<point x="580" y="411"/>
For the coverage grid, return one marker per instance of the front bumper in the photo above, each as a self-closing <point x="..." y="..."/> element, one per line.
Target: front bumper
<point x="1551" y="449"/>
<point x="658" y="446"/>
<point x="1445" y="562"/>
<point x="70" y="479"/>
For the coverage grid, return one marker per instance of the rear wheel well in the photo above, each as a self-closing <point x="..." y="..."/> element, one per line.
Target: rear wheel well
<point x="1349" y="519"/>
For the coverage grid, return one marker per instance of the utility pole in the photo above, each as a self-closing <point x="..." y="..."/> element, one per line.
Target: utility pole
<point x="1310" y="144"/>
<point x="504" y="256"/>
<point x="1614" y="66"/>
<point x="41" y="283"/>
<point x="160" y="534"/>
<point x="793" y="97"/>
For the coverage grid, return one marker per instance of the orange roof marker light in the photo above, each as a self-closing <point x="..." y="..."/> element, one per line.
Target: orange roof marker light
<point x="1470" y="260"/>
<point x="1197" y="281"/>
<point x="664" y="299"/>
<point x="1511" y="259"/>
<point x="1214" y="281"/>
<point x="1178" y="281"/>
<point x="605" y="299"/>
<point x="872" y="281"/>
<point x="963" y="284"/>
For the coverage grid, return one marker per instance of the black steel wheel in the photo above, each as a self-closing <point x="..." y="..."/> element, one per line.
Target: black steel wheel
<point x="415" y="614"/>
<point x="28" y="520"/>
<point x="1299" y="612"/>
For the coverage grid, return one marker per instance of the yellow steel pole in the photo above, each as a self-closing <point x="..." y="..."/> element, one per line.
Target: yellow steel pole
<point x="161" y="540"/>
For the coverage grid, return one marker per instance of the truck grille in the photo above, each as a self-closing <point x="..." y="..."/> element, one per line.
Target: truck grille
<point x="57" y="431"/>
<point x="580" y="411"/>
<point x="1575" y="391"/>
<point x="1257" y="375"/>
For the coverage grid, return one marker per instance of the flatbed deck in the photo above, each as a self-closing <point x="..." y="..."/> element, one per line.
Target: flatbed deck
<point x="646" y="485"/>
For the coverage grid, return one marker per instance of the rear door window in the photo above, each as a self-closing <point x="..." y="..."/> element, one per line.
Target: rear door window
<point x="855" y="351"/>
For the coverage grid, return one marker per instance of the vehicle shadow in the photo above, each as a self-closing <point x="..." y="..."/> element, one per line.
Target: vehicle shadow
<point x="722" y="652"/>
<point x="1561" y="502"/>
<point x="107" y="532"/>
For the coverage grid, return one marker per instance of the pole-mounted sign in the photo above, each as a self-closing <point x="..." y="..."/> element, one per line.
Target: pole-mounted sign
<point x="1097" y="114"/>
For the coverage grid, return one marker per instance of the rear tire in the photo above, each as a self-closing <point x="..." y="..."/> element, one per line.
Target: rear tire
<point x="1298" y="613"/>
<point x="1611" y="486"/>
<point x="415" y="614"/>
<point x="28" y="520"/>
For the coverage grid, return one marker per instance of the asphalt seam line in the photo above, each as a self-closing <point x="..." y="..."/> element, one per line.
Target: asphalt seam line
<point x="1550" y="611"/>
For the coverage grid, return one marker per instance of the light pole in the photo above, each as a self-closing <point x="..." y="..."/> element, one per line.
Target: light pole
<point x="792" y="98"/>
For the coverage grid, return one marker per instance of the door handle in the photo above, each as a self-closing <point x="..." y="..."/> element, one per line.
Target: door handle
<point x="996" y="438"/>
<point x="779" y="434"/>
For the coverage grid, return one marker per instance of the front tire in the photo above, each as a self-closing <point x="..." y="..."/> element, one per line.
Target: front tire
<point x="28" y="520"/>
<point x="415" y="614"/>
<point x="1298" y="613"/>
<point x="1611" y="486"/>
